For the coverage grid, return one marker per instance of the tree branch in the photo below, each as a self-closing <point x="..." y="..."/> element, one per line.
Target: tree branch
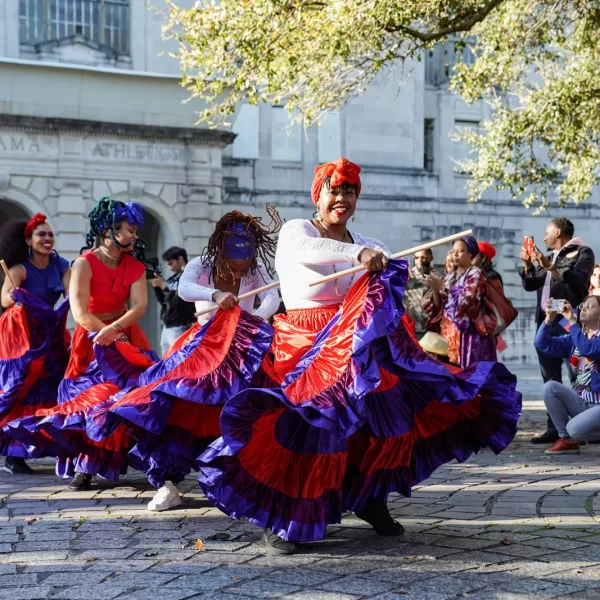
<point x="455" y="26"/>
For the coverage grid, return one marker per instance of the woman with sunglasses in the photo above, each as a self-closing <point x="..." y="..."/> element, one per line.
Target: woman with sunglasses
<point x="581" y="346"/>
<point x="33" y="338"/>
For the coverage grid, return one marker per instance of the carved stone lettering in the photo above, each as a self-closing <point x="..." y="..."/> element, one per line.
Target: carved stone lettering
<point x="129" y="152"/>
<point x="19" y="144"/>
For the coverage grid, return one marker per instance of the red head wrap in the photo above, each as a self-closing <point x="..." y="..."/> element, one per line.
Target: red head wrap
<point x="340" y="171"/>
<point x="37" y="219"/>
<point x="487" y="250"/>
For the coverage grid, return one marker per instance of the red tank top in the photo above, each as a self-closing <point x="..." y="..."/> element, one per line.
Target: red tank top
<point x="109" y="288"/>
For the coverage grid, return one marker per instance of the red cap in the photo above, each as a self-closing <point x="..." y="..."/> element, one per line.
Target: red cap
<point x="340" y="171"/>
<point x="487" y="250"/>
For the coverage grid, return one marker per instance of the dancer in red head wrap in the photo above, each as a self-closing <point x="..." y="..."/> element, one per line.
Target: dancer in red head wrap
<point x="349" y="408"/>
<point x="33" y="337"/>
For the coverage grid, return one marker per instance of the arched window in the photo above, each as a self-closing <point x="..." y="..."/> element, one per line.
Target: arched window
<point x="104" y="23"/>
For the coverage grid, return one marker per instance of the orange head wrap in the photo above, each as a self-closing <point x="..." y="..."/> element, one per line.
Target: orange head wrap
<point x="339" y="171"/>
<point x="37" y="219"/>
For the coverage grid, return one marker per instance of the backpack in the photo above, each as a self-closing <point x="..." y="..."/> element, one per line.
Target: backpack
<point x="497" y="312"/>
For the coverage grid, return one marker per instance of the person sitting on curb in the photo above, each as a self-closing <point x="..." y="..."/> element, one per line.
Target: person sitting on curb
<point x="582" y="347"/>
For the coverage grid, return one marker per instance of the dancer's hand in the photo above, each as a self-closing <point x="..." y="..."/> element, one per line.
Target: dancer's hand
<point x="225" y="300"/>
<point x="373" y="260"/>
<point x="106" y="336"/>
<point x="435" y="283"/>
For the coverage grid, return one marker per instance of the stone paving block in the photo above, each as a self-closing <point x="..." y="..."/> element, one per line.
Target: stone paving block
<point x="146" y="578"/>
<point x="88" y="592"/>
<point x="105" y="544"/>
<point x="523" y="551"/>
<point x="183" y="568"/>
<point x="346" y="567"/>
<point x="260" y="588"/>
<point x="446" y="584"/>
<point x="17" y="580"/>
<point x="55" y="567"/>
<point x="42" y="546"/>
<point x="19" y="557"/>
<point x="29" y="593"/>
<point x="126" y="566"/>
<point x="362" y="586"/>
<point x="317" y="595"/>
<point x="407" y="594"/>
<point x="69" y="579"/>
<point x="5" y="548"/>
<point x="557" y="543"/>
<point x="55" y="536"/>
<point x="102" y="554"/>
<point x="465" y="543"/>
<point x="152" y="594"/>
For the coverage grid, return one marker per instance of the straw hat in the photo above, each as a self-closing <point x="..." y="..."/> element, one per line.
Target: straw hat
<point x="434" y="343"/>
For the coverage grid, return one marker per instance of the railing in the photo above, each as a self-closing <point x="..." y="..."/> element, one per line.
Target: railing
<point x="105" y="22"/>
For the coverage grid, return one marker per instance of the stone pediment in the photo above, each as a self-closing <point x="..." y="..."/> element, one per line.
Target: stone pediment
<point x="77" y="49"/>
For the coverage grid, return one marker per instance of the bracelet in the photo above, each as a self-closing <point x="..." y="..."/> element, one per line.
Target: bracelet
<point x="118" y="327"/>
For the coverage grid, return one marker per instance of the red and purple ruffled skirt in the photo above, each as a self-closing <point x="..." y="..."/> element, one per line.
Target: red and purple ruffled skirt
<point x="174" y="411"/>
<point x="93" y="376"/>
<point x="349" y="409"/>
<point x="34" y="351"/>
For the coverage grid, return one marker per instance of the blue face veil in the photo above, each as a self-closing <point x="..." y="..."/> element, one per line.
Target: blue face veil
<point x="239" y="242"/>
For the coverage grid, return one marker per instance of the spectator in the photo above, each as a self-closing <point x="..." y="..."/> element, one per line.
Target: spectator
<point x="457" y="301"/>
<point x="595" y="282"/>
<point x="563" y="274"/>
<point x="176" y="314"/>
<point x="484" y="261"/>
<point x="582" y="347"/>
<point x="417" y="292"/>
<point x="449" y="264"/>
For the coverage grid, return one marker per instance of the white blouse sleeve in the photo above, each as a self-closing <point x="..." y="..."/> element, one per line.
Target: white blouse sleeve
<point x="300" y="241"/>
<point x="269" y="300"/>
<point x="189" y="288"/>
<point x="372" y="243"/>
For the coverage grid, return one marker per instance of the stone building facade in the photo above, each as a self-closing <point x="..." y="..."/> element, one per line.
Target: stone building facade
<point x="90" y="104"/>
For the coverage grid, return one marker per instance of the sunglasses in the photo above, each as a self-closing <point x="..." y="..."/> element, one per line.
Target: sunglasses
<point x="587" y="306"/>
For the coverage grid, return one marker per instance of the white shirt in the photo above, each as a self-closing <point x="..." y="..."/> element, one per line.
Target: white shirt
<point x="196" y="284"/>
<point x="304" y="256"/>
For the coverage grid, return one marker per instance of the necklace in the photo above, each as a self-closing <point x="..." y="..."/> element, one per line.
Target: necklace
<point x="347" y="240"/>
<point x="104" y="253"/>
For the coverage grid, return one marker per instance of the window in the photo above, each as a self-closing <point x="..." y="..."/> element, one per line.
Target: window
<point x="428" y="145"/>
<point x="441" y="59"/>
<point x="104" y="22"/>
<point x="462" y="148"/>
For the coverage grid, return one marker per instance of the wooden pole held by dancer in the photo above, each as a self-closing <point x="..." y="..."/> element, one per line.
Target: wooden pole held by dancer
<point x="5" y="269"/>
<point x="426" y="246"/>
<point x="255" y="292"/>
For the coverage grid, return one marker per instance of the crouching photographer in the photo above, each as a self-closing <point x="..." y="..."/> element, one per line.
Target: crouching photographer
<point x="575" y="412"/>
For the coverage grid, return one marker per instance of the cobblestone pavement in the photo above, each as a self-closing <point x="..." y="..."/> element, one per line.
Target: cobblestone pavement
<point x="521" y="525"/>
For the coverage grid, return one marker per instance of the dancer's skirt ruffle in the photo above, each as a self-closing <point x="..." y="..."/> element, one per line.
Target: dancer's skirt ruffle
<point x="173" y="413"/>
<point x="34" y="351"/>
<point x="360" y="411"/>
<point x="94" y="374"/>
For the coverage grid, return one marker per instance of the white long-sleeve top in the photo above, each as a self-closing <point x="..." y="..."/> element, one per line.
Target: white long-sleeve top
<point x="304" y="256"/>
<point x="196" y="285"/>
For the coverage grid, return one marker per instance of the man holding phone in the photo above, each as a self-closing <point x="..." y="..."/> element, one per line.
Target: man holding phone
<point x="564" y="274"/>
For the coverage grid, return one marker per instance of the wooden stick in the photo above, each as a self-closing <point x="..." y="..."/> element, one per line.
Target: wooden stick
<point x="440" y="242"/>
<point x="255" y="292"/>
<point x="5" y="269"/>
<point x="427" y="246"/>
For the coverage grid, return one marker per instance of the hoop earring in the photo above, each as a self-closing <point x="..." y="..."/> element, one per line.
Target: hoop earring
<point x="316" y="215"/>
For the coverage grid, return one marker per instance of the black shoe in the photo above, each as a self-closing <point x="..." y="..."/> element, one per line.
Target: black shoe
<point x="276" y="545"/>
<point x="548" y="437"/>
<point x="17" y="466"/>
<point x="81" y="482"/>
<point x="378" y="516"/>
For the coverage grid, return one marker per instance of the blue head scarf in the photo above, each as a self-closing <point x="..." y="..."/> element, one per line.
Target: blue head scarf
<point x="239" y="242"/>
<point x="471" y="244"/>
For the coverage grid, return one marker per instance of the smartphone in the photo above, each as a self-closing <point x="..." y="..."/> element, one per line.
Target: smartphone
<point x="557" y="305"/>
<point x="528" y="244"/>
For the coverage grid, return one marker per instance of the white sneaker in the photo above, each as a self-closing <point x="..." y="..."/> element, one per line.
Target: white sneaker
<point x="166" y="497"/>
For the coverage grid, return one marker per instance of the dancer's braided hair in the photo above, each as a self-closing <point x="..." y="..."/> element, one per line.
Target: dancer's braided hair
<point x="265" y="245"/>
<point x="103" y="218"/>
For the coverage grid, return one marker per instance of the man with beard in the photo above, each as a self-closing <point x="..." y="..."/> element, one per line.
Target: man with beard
<point x="563" y="274"/>
<point x="417" y="291"/>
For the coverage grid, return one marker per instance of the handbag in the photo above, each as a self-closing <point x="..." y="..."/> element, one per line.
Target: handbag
<point x="496" y="314"/>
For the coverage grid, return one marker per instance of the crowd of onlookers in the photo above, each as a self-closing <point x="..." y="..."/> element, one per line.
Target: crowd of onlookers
<point x="450" y="310"/>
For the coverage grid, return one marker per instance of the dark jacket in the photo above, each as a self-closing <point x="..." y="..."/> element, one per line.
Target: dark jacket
<point x="575" y="263"/>
<point x="174" y="311"/>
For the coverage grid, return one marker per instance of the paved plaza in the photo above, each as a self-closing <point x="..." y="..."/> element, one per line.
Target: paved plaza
<point x="521" y="525"/>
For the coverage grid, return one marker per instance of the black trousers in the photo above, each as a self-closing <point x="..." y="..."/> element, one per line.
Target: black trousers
<point x="551" y="366"/>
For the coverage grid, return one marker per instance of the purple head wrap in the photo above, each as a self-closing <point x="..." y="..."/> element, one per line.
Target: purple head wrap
<point x="107" y="212"/>
<point x="132" y="212"/>
<point x="239" y="242"/>
<point x="471" y="244"/>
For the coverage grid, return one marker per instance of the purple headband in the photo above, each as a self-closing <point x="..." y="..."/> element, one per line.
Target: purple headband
<point x="239" y="242"/>
<point x="471" y="244"/>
